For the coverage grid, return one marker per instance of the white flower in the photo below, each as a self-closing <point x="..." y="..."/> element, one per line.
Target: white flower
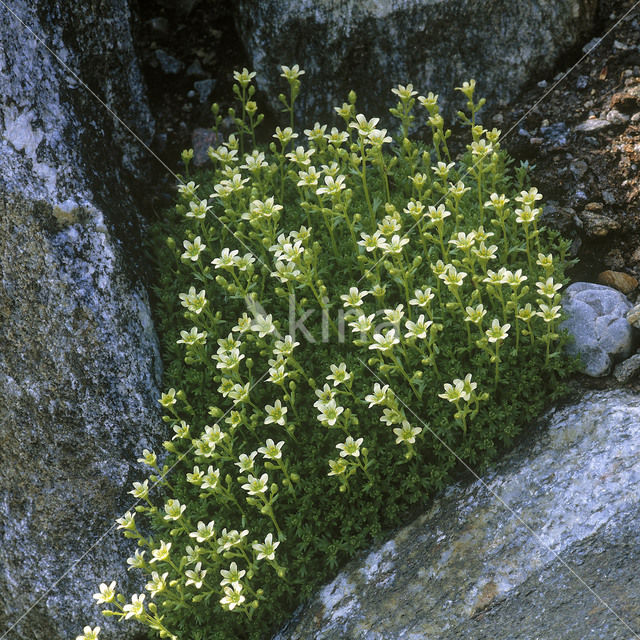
<point x="301" y="156"/>
<point x="496" y="332"/>
<point x="195" y="576"/>
<point x="354" y="298"/>
<point x="157" y="584"/>
<point x="379" y="395"/>
<point x="233" y="597"/>
<point x="193" y="301"/>
<point x="395" y="245"/>
<point x="371" y="242"/>
<point x="245" y="462"/>
<point x="329" y="412"/>
<point x="362" y="323"/>
<point x="198" y="210"/>
<point x="337" y="467"/>
<point x="244" y="77"/>
<point x="233" y="576"/>
<point x="394" y="316"/>
<point x="292" y="73"/>
<point x="548" y="288"/>
<point x="136" y="608"/>
<point x="438" y="214"/>
<point x="422" y="298"/>
<point x="364" y="126"/>
<point x="173" y="509"/>
<point x="333" y="186"/>
<point x="406" y="433"/>
<point x="161" y="553"/>
<point x="89" y="633"/>
<point x="272" y="451"/>
<point x="496" y="201"/>
<point x="339" y="374"/>
<point x="168" y="399"/>
<point x="417" y="329"/>
<point x="528" y="198"/>
<point x="475" y="314"/>
<point x="350" y="447"/>
<point x="226" y="260"/>
<point x="107" y="593"/>
<point x="255" y="486"/>
<point x="309" y="178"/>
<point x="193" y="249"/>
<point x="267" y="550"/>
<point x="548" y="313"/>
<point x="404" y="93"/>
<point x="384" y="341"/>
<point x="263" y="325"/>
<point x="192" y="337"/>
<point x="285" y="347"/>
<point x="527" y="214"/>
<point x="276" y="413"/>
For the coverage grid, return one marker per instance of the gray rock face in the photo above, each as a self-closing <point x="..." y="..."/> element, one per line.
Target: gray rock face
<point x="596" y="319"/>
<point x="79" y="363"/>
<point x="371" y="46"/>
<point x="544" y="546"/>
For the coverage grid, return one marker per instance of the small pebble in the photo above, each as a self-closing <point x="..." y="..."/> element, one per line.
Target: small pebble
<point x="615" y="117"/>
<point x="596" y="225"/>
<point x="159" y="25"/>
<point x="543" y="84"/>
<point x="168" y="64"/>
<point x="627" y="369"/>
<point x="582" y="82"/>
<point x="205" y="88"/>
<point x="593" y="124"/>
<point x="195" y="69"/>
<point x="623" y="282"/>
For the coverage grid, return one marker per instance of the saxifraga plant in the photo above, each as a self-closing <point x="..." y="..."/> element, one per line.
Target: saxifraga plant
<point x="346" y="318"/>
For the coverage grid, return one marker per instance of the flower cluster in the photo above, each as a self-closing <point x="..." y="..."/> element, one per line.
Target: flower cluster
<point x="333" y="298"/>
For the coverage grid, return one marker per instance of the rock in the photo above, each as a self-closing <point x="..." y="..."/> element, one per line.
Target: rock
<point x="591" y="45"/>
<point x="79" y="363"/>
<point x="615" y="117"/>
<point x="168" y="64"/>
<point x="204" y="88"/>
<point x="593" y="124"/>
<point x="195" y="70"/>
<point x="626" y="370"/>
<point x="597" y="225"/>
<point x="596" y="320"/>
<point x="582" y="82"/>
<point x="201" y="140"/>
<point x="623" y="282"/>
<point x="510" y="555"/>
<point x="635" y="257"/>
<point x="159" y="25"/>
<point x="371" y="47"/>
<point x="184" y="7"/>
<point x="578" y="168"/>
<point x="555" y="135"/>
<point x="633" y="316"/>
<point x="627" y="101"/>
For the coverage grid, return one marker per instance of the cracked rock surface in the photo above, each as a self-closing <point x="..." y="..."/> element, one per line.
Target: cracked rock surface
<point x="79" y="362"/>
<point x="543" y="546"/>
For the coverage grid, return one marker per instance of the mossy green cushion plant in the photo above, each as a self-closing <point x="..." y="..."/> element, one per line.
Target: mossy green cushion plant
<point x="347" y="316"/>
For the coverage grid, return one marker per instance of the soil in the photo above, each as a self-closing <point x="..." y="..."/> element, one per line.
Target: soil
<point x="579" y="128"/>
